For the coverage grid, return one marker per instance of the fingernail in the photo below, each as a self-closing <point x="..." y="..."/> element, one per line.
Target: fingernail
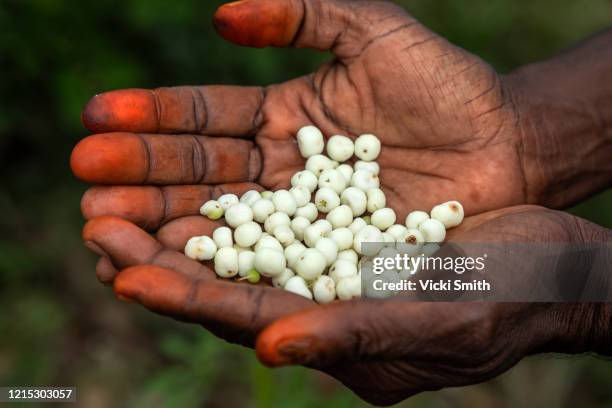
<point x="295" y="351"/>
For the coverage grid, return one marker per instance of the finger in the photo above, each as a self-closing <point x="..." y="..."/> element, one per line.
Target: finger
<point x="351" y="331"/>
<point x="344" y="27"/>
<point x="105" y="270"/>
<point x="131" y="158"/>
<point x="230" y="310"/>
<point x="125" y="245"/>
<point x="150" y="207"/>
<point x="175" y="234"/>
<point x="214" y="110"/>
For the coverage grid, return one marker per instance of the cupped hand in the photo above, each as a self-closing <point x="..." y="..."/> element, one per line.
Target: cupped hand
<point x="447" y="120"/>
<point x="384" y="351"/>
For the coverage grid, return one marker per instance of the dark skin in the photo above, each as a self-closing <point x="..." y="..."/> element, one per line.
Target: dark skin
<point x="452" y="128"/>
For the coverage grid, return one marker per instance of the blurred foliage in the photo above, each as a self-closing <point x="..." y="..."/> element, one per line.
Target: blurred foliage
<point x="60" y="327"/>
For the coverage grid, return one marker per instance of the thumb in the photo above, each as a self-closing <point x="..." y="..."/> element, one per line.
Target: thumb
<point x="338" y="332"/>
<point x="341" y="26"/>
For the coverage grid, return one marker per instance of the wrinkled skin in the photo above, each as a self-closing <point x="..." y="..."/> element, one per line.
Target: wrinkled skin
<point x="446" y="119"/>
<point x="449" y="127"/>
<point x="384" y="351"/>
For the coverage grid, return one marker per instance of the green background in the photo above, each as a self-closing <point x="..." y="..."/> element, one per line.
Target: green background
<point x="59" y="326"/>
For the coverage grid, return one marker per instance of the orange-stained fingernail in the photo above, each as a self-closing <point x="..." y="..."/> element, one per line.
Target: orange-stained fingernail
<point x="128" y="110"/>
<point x="286" y="352"/>
<point x="257" y="23"/>
<point x="109" y="158"/>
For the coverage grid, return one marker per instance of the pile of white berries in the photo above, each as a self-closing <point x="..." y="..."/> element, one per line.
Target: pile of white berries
<point x="301" y="252"/>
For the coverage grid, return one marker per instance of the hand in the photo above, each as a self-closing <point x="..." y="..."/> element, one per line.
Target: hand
<point x="384" y="351"/>
<point x="446" y="118"/>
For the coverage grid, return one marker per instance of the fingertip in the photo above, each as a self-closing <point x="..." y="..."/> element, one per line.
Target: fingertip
<point x="138" y="204"/>
<point x="102" y="225"/>
<point x="109" y="158"/>
<point x="130" y="110"/>
<point x="257" y="23"/>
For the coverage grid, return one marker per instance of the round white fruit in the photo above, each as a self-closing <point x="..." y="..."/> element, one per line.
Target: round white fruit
<point x="348" y="255"/>
<point x="298" y="225"/>
<point x="341" y="216"/>
<point x="310" y="141"/>
<point x="297" y="285"/>
<point x="324" y="290"/>
<point x="280" y="280"/>
<point x="415" y="218"/>
<point x="238" y="214"/>
<point x="328" y="248"/>
<point x="376" y="199"/>
<point x="333" y="179"/>
<point x="301" y="195"/>
<point x="212" y="209"/>
<point x="246" y="262"/>
<point x="370" y="166"/>
<point x="309" y="211"/>
<point x="262" y="209"/>
<point x="226" y="262"/>
<point x="326" y="199"/>
<point x="433" y="230"/>
<point x="228" y="200"/>
<point x="365" y="180"/>
<point x="347" y="171"/>
<point x="284" y="202"/>
<point x="201" y="248"/>
<point x="349" y="288"/>
<point x="247" y="234"/>
<point x="342" y="268"/>
<point x="223" y="237"/>
<point x="250" y="197"/>
<point x="305" y="178"/>
<point x="293" y="251"/>
<point x="367" y="147"/>
<point x="450" y="213"/>
<point x="284" y="235"/>
<point x="343" y="237"/>
<point x="383" y="218"/>
<point x="310" y="264"/>
<point x="270" y="262"/>
<point x="318" y="163"/>
<point x="340" y="148"/>
<point x="371" y="237"/>
<point x="356" y="199"/>
<point x="276" y="219"/>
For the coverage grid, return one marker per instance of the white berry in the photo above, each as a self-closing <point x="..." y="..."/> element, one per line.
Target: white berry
<point x="450" y="213"/>
<point x="250" y="197"/>
<point x="326" y="199"/>
<point x="310" y="141"/>
<point x="310" y="264"/>
<point x="312" y="234"/>
<point x="309" y="211"/>
<point x="201" y="248"/>
<point x="367" y="147"/>
<point x="226" y="262"/>
<point x="223" y="237"/>
<point x="328" y="248"/>
<point x="247" y="234"/>
<point x="376" y="199"/>
<point x="276" y="219"/>
<point x="365" y="180"/>
<point x="324" y="290"/>
<point x="297" y="285"/>
<point x="284" y="202"/>
<point x="301" y="195"/>
<point x="284" y="235"/>
<point x="267" y="194"/>
<point x="433" y="230"/>
<point x="333" y="179"/>
<point x="341" y="216"/>
<point x="305" y="178"/>
<point x="246" y="262"/>
<point x="370" y="166"/>
<point x="343" y="237"/>
<point x="342" y="268"/>
<point x="348" y="255"/>
<point x="383" y="218"/>
<point x="356" y="199"/>
<point x="280" y="280"/>
<point x="349" y="288"/>
<point x="212" y="209"/>
<point x="368" y="235"/>
<point x="298" y="225"/>
<point x="318" y="163"/>
<point x="238" y="214"/>
<point x="357" y="225"/>
<point x="347" y="171"/>
<point x="268" y="241"/>
<point x="262" y="209"/>
<point x="293" y="251"/>
<point x="415" y="218"/>
<point x="324" y="225"/>
<point x="269" y="261"/>
<point x="397" y="231"/>
<point x="340" y="148"/>
<point x="411" y="243"/>
<point x="228" y="200"/>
